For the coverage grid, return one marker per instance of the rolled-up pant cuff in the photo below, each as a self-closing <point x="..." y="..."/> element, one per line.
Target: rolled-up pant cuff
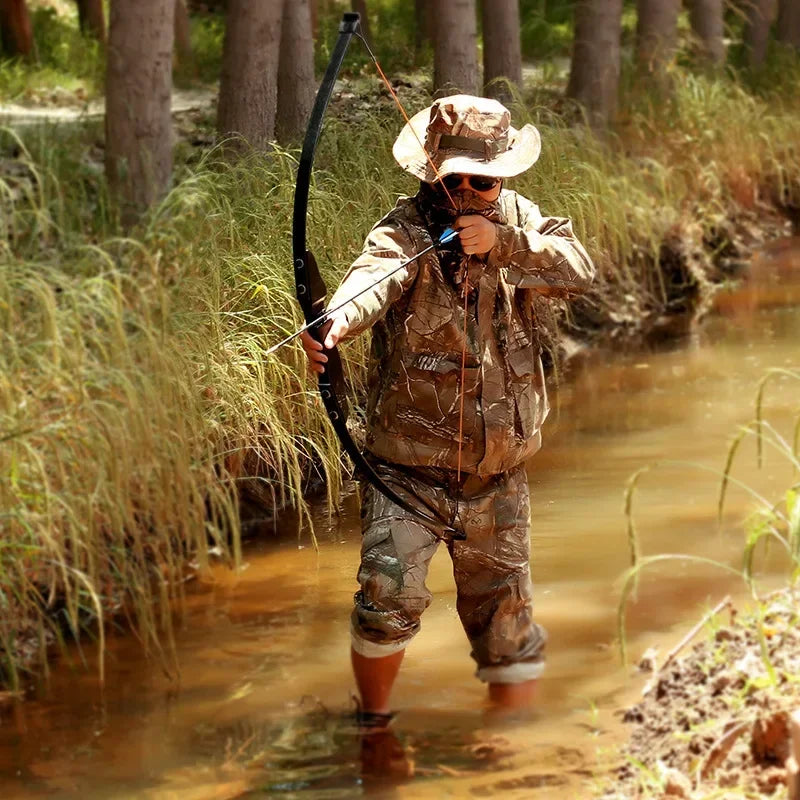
<point x="511" y="673"/>
<point x="374" y="650"/>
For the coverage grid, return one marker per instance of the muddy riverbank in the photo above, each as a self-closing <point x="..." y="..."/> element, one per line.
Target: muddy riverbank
<point x="714" y="721"/>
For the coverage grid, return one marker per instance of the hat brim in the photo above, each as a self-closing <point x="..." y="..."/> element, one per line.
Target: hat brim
<point x="524" y="147"/>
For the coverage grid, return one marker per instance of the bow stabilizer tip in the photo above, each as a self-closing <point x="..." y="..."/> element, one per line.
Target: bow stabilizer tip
<point x="350" y="23"/>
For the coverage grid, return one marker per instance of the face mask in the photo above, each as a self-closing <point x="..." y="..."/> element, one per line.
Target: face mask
<point x="442" y="211"/>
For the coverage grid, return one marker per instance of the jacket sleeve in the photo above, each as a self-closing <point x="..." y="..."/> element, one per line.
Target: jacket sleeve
<point x="542" y="253"/>
<point x="386" y="247"/>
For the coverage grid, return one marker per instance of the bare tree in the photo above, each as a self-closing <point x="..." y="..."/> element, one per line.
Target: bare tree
<point x="788" y="29"/>
<point x="708" y="26"/>
<point x="502" y="49"/>
<point x="16" y="33"/>
<point x="248" y="90"/>
<point x="361" y="7"/>
<point x="594" y="74"/>
<point x="455" y="47"/>
<point x="183" y="33"/>
<point x="656" y="34"/>
<point x="320" y="9"/>
<point x="314" y="18"/>
<point x="138" y="99"/>
<point x="295" y="71"/>
<point x="92" y="19"/>
<point x="423" y="28"/>
<point x="760" y="15"/>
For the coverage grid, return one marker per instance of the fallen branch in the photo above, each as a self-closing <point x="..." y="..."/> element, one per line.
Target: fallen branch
<point x="724" y="603"/>
<point x="721" y="748"/>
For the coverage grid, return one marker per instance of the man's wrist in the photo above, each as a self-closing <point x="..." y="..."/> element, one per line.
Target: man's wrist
<point x="504" y="237"/>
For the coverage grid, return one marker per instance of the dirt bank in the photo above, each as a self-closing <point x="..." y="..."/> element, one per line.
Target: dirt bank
<point x="714" y="722"/>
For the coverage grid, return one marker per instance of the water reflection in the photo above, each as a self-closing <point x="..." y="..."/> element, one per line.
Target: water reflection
<point x="261" y="705"/>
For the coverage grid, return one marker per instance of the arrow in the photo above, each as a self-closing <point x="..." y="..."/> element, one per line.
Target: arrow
<point x="447" y="236"/>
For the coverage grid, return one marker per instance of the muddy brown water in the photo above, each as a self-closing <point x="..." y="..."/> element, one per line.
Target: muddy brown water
<point x="259" y="708"/>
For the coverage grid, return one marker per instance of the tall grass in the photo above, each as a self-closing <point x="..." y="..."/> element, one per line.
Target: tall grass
<point x="132" y="385"/>
<point x="658" y="198"/>
<point x="134" y="394"/>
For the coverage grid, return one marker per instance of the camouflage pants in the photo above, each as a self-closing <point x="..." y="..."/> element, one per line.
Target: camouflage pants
<point x="491" y="568"/>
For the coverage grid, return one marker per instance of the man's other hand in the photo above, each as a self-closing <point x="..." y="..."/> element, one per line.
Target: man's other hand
<point x="337" y="327"/>
<point x="477" y="234"/>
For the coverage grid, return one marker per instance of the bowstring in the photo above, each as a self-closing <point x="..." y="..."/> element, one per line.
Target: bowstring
<point x="396" y="99"/>
<point x="436" y="172"/>
<point x="463" y="390"/>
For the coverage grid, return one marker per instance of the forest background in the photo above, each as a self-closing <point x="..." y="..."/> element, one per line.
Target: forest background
<point x="145" y="258"/>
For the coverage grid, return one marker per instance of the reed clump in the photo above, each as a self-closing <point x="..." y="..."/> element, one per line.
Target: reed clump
<point x="774" y="523"/>
<point x="132" y="383"/>
<point x="135" y="398"/>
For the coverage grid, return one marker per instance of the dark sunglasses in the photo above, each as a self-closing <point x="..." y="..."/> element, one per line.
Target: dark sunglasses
<point x="477" y="182"/>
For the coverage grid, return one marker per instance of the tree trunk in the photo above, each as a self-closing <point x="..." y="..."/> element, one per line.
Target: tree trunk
<point x="248" y="90"/>
<point x="206" y="6"/>
<point x="788" y="30"/>
<point x="16" y="33"/>
<point x="296" y="82"/>
<point x="656" y="34"/>
<point x="594" y="73"/>
<point x="320" y="9"/>
<point x="183" y="34"/>
<point x="455" y="47"/>
<point x="760" y="15"/>
<point x="360" y="6"/>
<point x="91" y="18"/>
<point x="314" y="19"/>
<point x="138" y="99"/>
<point x="502" y="50"/>
<point x="423" y="27"/>
<point x="708" y="26"/>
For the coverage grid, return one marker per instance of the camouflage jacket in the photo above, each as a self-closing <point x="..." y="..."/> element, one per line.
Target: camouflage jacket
<point x="417" y="318"/>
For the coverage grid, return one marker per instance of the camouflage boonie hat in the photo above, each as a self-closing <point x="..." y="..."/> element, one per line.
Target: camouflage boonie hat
<point x="466" y="135"/>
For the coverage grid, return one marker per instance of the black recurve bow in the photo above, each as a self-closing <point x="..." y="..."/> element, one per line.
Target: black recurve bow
<point x="311" y="289"/>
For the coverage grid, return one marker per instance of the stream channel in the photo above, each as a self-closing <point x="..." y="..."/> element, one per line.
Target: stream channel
<point x="260" y="705"/>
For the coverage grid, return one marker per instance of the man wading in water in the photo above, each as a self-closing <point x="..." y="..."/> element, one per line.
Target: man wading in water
<point x="456" y="394"/>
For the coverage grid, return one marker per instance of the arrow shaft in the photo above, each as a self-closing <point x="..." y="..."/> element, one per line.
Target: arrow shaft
<point x="447" y="236"/>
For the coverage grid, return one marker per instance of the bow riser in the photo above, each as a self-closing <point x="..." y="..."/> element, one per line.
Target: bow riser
<point x="312" y="292"/>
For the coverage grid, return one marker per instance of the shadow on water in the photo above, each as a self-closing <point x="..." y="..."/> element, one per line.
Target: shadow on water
<point x="262" y="706"/>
